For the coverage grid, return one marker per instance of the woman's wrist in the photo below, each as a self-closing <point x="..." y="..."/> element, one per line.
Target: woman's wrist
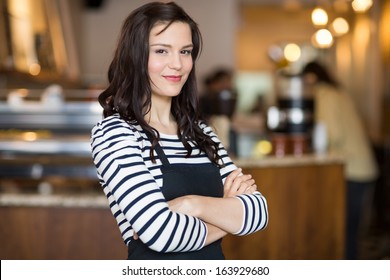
<point x="200" y="205"/>
<point x="195" y="205"/>
<point x="188" y="205"/>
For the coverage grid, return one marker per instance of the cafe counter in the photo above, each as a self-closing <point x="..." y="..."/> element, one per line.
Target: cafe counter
<point x="305" y="195"/>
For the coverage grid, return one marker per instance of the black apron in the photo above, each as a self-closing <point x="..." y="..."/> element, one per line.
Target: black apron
<point x="180" y="180"/>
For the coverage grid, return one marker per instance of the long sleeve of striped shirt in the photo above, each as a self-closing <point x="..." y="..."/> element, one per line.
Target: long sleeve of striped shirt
<point x="254" y="205"/>
<point x="132" y="185"/>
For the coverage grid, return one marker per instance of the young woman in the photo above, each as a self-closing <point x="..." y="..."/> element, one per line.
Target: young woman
<point x="348" y="138"/>
<point x="171" y="185"/>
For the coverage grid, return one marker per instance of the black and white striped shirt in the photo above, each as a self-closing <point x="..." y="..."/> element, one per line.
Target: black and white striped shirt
<point x="132" y="184"/>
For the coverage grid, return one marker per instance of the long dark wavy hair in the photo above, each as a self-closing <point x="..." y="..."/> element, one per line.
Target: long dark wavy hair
<point x="129" y="90"/>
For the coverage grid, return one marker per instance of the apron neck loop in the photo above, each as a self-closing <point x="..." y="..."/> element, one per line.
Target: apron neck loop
<point x="159" y="151"/>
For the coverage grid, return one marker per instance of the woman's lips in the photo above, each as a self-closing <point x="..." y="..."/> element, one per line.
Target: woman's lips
<point x="173" y="78"/>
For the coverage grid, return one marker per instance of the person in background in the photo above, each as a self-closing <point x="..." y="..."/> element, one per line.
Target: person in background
<point x="170" y="183"/>
<point x="218" y="104"/>
<point x="346" y="137"/>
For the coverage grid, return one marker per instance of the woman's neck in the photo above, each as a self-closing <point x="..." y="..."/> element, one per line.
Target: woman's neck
<point x="161" y="118"/>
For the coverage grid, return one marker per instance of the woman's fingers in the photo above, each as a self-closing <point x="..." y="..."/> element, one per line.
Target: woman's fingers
<point x="251" y="189"/>
<point x="237" y="183"/>
<point x="229" y="181"/>
<point x="230" y="178"/>
<point x="244" y="185"/>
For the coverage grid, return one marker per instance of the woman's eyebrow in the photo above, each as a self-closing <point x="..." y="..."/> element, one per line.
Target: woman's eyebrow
<point x="169" y="46"/>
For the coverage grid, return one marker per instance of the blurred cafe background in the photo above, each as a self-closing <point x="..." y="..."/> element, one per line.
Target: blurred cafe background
<point x="54" y="56"/>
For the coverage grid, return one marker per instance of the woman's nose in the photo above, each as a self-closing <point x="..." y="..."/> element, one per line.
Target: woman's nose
<point x="175" y="62"/>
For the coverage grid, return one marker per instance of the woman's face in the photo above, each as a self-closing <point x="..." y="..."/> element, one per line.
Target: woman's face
<point x="170" y="60"/>
<point x="310" y="78"/>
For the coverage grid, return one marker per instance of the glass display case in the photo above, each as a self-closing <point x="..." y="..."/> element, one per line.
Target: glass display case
<point x="44" y="139"/>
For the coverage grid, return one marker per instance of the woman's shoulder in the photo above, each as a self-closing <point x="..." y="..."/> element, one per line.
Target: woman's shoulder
<point x="115" y="125"/>
<point x="205" y="127"/>
<point x="209" y="131"/>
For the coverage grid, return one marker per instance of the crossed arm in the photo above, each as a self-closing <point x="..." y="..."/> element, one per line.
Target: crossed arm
<point x="221" y="215"/>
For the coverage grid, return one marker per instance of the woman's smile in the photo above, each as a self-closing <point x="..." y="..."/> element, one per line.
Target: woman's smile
<point x="173" y="78"/>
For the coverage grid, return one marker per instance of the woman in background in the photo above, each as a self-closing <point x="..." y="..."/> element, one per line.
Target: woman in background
<point x="348" y="138"/>
<point x="170" y="183"/>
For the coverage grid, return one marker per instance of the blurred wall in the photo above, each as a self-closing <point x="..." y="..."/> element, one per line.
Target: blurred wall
<point x="237" y="34"/>
<point x="98" y="30"/>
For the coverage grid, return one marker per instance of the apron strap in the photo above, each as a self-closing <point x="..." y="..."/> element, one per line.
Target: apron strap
<point x="159" y="151"/>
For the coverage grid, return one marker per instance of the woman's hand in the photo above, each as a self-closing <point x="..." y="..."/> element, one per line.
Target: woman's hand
<point x="237" y="183"/>
<point x="183" y="204"/>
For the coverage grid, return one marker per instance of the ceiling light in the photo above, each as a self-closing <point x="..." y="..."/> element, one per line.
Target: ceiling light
<point x="339" y="26"/>
<point x="319" y="17"/>
<point x="292" y="52"/>
<point x="322" y="39"/>
<point x="361" y="6"/>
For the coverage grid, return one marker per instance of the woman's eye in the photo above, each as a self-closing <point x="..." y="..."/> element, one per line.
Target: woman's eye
<point x="187" y="52"/>
<point x="161" y="51"/>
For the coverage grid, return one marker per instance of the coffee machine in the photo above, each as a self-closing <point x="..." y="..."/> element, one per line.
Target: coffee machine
<point x="290" y="121"/>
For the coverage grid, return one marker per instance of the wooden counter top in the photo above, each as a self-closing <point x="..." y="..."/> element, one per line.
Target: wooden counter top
<point x="53" y="200"/>
<point x="272" y="161"/>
